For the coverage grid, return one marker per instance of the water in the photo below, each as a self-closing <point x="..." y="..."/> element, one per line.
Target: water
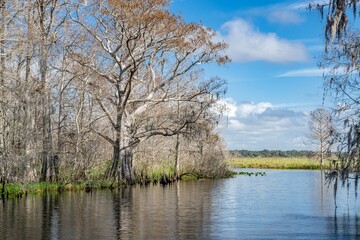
<point x="281" y="205"/>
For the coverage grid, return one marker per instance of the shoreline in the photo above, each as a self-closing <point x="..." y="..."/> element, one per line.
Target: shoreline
<point x="301" y="163"/>
<point x="18" y="190"/>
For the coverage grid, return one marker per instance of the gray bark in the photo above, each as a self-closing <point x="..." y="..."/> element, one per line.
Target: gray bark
<point x="177" y="163"/>
<point x="49" y="163"/>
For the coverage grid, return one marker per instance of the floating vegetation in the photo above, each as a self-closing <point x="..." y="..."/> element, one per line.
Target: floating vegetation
<point x="243" y="172"/>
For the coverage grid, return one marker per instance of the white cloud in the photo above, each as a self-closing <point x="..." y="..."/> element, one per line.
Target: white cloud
<point x="280" y="13"/>
<point x="316" y="72"/>
<point x="304" y="5"/>
<point x="248" y="44"/>
<point x="307" y="72"/>
<point x="257" y="126"/>
<point x="248" y="109"/>
<point x="228" y="106"/>
<point x="284" y="16"/>
<point x="236" y="124"/>
<point x="284" y="13"/>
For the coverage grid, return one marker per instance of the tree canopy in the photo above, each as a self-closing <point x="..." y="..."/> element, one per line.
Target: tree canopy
<point x="93" y="80"/>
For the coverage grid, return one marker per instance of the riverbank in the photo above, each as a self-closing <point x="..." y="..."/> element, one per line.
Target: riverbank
<point x="275" y="163"/>
<point x="162" y="176"/>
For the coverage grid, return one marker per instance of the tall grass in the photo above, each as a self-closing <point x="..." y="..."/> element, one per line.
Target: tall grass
<point x="158" y="173"/>
<point x="275" y="163"/>
<point x="15" y="190"/>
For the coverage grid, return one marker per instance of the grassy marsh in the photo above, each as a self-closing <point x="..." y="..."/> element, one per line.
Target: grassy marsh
<point x="275" y="163"/>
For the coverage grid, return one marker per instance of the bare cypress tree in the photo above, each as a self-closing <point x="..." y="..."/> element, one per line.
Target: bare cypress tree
<point x="78" y="75"/>
<point x="321" y="132"/>
<point x="2" y="87"/>
<point x="142" y="53"/>
<point x="49" y="20"/>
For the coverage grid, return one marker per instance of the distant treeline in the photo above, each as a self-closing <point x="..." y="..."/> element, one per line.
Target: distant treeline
<point x="271" y="153"/>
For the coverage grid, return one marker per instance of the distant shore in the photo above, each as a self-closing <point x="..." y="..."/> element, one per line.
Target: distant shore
<point x="275" y="163"/>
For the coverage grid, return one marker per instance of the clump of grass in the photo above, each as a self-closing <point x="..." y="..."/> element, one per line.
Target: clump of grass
<point x="275" y="163"/>
<point x="189" y="177"/>
<point x="161" y="173"/>
<point x="13" y="190"/>
<point x="40" y="187"/>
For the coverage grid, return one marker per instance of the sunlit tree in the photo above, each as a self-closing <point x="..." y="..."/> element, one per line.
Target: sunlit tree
<point x="321" y="132"/>
<point x="143" y="59"/>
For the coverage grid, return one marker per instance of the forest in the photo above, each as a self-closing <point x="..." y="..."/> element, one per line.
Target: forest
<point x="272" y="153"/>
<point x="106" y="89"/>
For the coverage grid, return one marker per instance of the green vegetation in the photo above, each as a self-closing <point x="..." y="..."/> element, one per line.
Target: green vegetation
<point x="275" y="163"/>
<point x="162" y="174"/>
<point x="16" y="190"/>
<point x="271" y="153"/>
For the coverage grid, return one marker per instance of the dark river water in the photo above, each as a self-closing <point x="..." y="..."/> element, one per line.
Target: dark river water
<point x="281" y="205"/>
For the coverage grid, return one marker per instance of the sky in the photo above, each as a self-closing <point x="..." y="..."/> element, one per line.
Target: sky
<point x="273" y="79"/>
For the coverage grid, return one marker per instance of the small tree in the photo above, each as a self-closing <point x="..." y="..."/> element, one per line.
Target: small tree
<point x="321" y="131"/>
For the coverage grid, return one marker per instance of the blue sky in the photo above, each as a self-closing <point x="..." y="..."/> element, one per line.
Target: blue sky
<point x="273" y="79"/>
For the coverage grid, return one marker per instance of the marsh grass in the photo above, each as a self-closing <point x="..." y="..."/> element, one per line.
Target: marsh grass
<point x="160" y="173"/>
<point x="163" y="173"/>
<point x="276" y="163"/>
<point x="16" y="190"/>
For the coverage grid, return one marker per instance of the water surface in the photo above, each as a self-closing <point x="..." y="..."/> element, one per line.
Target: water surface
<point x="281" y="205"/>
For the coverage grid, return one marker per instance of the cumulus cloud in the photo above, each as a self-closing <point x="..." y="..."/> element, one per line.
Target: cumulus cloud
<point x="249" y="44"/>
<point x="229" y="107"/>
<point x="251" y="109"/>
<point x="256" y="126"/>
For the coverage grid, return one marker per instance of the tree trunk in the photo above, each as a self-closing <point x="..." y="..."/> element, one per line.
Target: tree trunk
<point x="49" y="162"/>
<point x="2" y="92"/>
<point x="112" y="171"/>
<point x="177" y="164"/>
<point x="127" y="172"/>
<point x="322" y="155"/>
<point x="114" y="168"/>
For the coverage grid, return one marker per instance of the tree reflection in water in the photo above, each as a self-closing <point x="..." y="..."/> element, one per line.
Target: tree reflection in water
<point x="282" y="204"/>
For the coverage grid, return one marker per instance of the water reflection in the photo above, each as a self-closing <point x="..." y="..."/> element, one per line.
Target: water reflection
<point x="50" y="217"/>
<point x="178" y="211"/>
<point x="282" y="205"/>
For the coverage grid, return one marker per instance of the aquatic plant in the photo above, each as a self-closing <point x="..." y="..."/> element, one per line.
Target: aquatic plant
<point x="243" y="172"/>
